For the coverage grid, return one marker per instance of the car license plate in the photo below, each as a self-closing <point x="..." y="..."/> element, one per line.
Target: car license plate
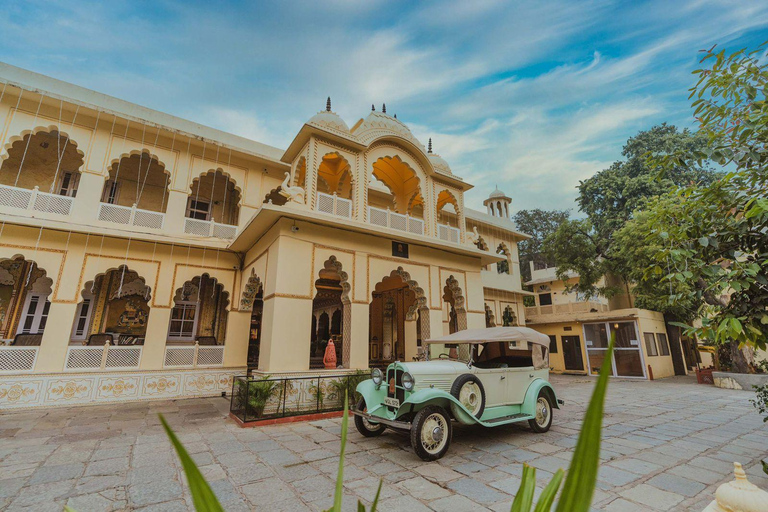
<point x="392" y="402"/>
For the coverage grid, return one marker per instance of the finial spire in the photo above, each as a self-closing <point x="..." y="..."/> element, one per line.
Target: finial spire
<point x="384" y="107"/>
<point x="373" y="108"/>
<point x="429" y="146"/>
<point x="328" y="104"/>
<point x="395" y="115"/>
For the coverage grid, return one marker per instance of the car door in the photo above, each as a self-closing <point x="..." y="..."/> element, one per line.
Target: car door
<point x="518" y="380"/>
<point x="495" y="385"/>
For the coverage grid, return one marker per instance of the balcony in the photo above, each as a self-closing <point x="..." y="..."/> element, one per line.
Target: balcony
<point x="334" y="205"/>
<point x="570" y="307"/>
<point x="209" y="228"/>
<point x="193" y="356"/>
<point x="107" y="357"/>
<point x="131" y="216"/>
<point x="25" y="199"/>
<point x="392" y="220"/>
<point x="448" y="233"/>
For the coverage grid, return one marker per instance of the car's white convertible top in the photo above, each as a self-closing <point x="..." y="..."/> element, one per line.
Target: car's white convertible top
<point x="492" y="334"/>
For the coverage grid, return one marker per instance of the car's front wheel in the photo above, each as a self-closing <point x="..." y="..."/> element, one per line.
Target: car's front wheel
<point x="542" y="419"/>
<point x="365" y="427"/>
<point x="431" y="432"/>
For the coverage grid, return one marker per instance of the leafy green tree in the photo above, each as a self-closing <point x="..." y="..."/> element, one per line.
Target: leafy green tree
<point x="716" y="238"/>
<point x="539" y="224"/>
<point x="588" y="246"/>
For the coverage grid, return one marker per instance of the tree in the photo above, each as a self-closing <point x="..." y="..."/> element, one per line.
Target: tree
<point x="716" y="238"/>
<point x="539" y="224"/>
<point x="609" y="198"/>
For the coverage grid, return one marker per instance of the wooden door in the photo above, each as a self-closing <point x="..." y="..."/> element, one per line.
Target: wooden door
<point x="572" y="353"/>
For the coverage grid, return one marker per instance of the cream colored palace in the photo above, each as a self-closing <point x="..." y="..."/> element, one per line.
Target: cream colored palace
<point x="143" y="256"/>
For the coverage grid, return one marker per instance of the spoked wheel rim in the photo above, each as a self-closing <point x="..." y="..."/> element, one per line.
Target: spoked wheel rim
<point x="434" y="433"/>
<point x="367" y="424"/>
<point x="470" y="397"/>
<point x="543" y="412"/>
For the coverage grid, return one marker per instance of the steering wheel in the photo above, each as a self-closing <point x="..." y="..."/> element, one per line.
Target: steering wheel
<point x="444" y="356"/>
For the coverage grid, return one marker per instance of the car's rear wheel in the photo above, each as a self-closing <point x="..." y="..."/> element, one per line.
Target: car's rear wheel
<point x="431" y="432"/>
<point x="469" y="391"/>
<point x="543" y="414"/>
<point x="365" y="427"/>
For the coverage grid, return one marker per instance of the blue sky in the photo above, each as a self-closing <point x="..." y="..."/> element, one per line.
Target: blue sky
<point x="532" y="96"/>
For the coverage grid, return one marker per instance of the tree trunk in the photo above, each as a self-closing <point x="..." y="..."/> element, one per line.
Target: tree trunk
<point x="675" y="345"/>
<point x="739" y="363"/>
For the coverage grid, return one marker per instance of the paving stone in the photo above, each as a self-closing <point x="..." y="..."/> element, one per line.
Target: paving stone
<point x="652" y="497"/>
<point x="455" y="503"/>
<point x="168" y="506"/>
<point x="636" y="466"/>
<point x="403" y="504"/>
<point x="48" y="474"/>
<point x="476" y="491"/>
<point x="94" y="502"/>
<point x="423" y="489"/>
<point x="107" y="467"/>
<point x="438" y="473"/>
<point x="267" y="492"/>
<point x="696" y="473"/>
<point x="676" y="484"/>
<point x="154" y="491"/>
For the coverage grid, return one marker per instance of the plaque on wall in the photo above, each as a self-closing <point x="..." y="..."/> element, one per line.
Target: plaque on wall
<point x="399" y="249"/>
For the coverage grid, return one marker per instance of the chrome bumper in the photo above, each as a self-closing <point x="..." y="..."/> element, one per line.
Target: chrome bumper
<point x="403" y="425"/>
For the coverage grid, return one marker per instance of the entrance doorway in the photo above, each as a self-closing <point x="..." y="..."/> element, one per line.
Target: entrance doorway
<point x="254" y="338"/>
<point x="392" y="298"/>
<point x="572" y="353"/>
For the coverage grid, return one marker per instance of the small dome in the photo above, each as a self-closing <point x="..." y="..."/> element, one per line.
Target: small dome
<point x="439" y="163"/>
<point x="497" y="193"/>
<point x="378" y="123"/>
<point x="329" y="120"/>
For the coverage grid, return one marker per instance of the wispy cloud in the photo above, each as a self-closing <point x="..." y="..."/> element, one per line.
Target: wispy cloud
<point x="534" y="96"/>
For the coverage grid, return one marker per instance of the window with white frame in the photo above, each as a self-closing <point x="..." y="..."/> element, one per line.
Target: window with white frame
<point x="197" y="209"/>
<point x="35" y="314"/>
<point x="183" y="321"/>
<point x="111" y="192"/>
<point x="82" y="319"/>
<point x="650" y="344"/>
<point x="68" y="184"/>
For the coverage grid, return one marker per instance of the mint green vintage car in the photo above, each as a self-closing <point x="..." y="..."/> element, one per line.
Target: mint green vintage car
<point x="491" y="377"/>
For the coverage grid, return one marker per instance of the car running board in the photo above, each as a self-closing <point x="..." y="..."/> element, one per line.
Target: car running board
<point x="508" y="419"/>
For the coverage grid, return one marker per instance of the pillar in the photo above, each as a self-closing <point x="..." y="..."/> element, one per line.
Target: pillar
<point x="411" y="349"/>
<point x="153" y="353"/>
<point x="175" y="212"/>
<point x="286" y="325"/>
<point x="358" y="354"/>
<point x="53" y="347"/>
<point x="236" y="339"/>
<point x="86" y="204"/>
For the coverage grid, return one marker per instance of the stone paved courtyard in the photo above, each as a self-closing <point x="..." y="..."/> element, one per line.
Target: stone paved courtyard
<point x="667" y="445"/>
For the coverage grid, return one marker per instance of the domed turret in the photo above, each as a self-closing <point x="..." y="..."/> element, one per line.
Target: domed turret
<point x="498" y="204"/>
<point x="329" y="120"/>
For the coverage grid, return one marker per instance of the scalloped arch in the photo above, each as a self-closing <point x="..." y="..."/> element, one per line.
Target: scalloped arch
<point x="48" y="129"/>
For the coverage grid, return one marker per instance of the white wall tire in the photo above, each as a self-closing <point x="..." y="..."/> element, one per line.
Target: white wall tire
<point x="542" y="419"/>
<point x="431" y="433"/>
<point x="469" y="391"/>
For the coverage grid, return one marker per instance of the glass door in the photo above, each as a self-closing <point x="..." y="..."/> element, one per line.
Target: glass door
<point x="627" y="358"/>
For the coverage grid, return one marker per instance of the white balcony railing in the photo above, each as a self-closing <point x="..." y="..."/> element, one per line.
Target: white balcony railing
<point x="569" y="307"/>
<point x="25" y="199"/>
<point x="105" y="357"/>
<point x="449" y="234"/>
<point x="209" y="228"/>
<point x="131" y="216"/>
<point x="193" y="356"/>
<point x="398" y="221"/>
<point x="17" y="359"/>
<point x="334" y="205"/>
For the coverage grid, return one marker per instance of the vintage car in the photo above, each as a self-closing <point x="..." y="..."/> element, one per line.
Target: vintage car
<point x="491" y="377"/>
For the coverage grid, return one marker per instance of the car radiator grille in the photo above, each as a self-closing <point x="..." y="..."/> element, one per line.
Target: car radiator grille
<point x="396" y="374"/>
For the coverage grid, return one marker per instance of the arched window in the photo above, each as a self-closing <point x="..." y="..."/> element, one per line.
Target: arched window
<point x="214" y="196"/>
<point x="140" y="179"/>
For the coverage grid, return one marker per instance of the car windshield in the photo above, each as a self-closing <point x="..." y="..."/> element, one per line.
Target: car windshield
<point x="497" y="354"/>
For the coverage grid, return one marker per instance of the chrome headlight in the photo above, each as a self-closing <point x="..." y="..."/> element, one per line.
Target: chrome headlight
<point x="377" y="376"/>
<point x="408" y="381"/>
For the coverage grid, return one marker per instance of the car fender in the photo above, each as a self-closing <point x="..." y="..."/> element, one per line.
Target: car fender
<point x="423" y="397"/>
<point x="373" y="396"/>
<point x="537" y="385"/>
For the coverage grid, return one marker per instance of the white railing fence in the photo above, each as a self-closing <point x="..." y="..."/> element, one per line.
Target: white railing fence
<point x="25" y="199"/>
<point x="193" y="356"/>
<point x="17" y="359"/>
<point x="334" y="205"/>
<point x="131" y="216"/>
<point x="448" y="233"/>
<point x="209" y="228"/>
<point x="569" y="307"/>
<point x="389" y="219"/>
<point x="106" y="357"/>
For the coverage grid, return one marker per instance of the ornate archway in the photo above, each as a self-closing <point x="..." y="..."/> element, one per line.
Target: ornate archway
<point x="252" y="300"/>
<point x="396" y="299"/>
<point x="331" y="314"/>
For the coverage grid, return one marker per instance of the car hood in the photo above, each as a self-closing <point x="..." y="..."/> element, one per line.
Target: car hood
<point x="435" y="367"/>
